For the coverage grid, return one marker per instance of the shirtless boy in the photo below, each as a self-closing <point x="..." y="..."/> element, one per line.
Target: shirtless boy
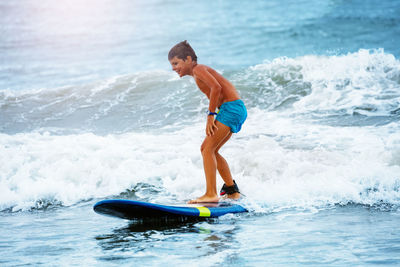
<point x="232" y="114"/>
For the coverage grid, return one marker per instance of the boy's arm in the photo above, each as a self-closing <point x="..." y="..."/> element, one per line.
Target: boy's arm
<point x="202" y="74"/>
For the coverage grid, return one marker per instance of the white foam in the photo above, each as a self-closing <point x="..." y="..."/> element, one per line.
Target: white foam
<point x="77" y="167"/>
<point x="277" y="161"/>
<point x="365" y="82"/>
<point x="296" y="163"/>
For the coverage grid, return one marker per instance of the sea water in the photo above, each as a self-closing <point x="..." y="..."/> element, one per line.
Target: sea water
<point x="90" y="109"/>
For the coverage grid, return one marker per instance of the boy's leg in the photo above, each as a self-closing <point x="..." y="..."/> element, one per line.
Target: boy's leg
<point x="223" y="168"/>
<point x="208" y="151"/>
<point x="222" y="165"/>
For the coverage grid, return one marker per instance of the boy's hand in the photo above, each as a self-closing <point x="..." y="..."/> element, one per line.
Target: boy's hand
<point x="211" y="126"/>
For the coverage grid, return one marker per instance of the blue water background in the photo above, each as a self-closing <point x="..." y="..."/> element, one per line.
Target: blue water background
<point x="89" y="109"/>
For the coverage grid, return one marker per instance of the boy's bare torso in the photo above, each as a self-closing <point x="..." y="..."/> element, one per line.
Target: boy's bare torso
<point x="228" y="91"/>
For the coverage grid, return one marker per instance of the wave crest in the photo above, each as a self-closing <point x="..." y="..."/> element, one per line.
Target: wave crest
<point x="362" y="83"/>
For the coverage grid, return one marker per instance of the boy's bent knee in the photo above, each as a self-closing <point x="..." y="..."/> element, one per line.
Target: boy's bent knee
<point x="207" y="150"/>
<point x="207" y="146"/>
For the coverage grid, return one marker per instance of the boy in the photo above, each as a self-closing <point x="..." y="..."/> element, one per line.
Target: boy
<point x="232" y="114"/>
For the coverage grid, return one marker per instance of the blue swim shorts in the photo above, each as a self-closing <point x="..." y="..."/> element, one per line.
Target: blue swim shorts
<point x="232" y="114"/>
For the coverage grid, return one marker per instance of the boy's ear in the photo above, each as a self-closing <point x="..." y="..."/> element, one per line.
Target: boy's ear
<point x="189" y="57"/>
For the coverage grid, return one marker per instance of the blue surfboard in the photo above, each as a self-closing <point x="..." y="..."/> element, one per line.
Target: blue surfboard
<point x="132" y="209"/>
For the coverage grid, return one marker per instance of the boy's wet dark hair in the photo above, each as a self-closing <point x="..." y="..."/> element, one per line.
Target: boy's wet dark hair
<point x="181" y="51"/>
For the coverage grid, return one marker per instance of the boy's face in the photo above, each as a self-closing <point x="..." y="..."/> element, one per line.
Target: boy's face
<point x="182" y="67"/>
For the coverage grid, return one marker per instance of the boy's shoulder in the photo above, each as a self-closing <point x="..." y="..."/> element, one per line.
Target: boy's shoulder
<point x="203" y="72"/>
<point x="199" y="68"/>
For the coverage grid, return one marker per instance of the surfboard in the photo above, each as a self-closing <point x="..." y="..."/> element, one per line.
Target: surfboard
<point x="132" y="209"/>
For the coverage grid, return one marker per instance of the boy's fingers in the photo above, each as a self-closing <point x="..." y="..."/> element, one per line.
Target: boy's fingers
<point x="208" y="131"/>
<point x="210" y="128"/>
<point x="214" y="126"/>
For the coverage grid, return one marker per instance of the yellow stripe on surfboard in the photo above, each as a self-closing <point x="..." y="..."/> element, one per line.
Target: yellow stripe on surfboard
<point x="204" y="212"/>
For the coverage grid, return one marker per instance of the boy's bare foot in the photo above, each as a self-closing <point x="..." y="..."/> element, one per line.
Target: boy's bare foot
<point x="204" y="198"/>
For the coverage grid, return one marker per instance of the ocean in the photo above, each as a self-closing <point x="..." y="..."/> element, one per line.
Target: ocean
<point x="90" y="109"/>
